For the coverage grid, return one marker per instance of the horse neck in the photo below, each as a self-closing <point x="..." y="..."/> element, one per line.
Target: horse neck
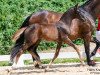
<point x="91" y="9"/>
<point x="68" y="16"/>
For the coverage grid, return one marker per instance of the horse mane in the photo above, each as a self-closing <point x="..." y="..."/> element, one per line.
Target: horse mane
<point x="70" y="12"/>
<point x="86" y="3"/>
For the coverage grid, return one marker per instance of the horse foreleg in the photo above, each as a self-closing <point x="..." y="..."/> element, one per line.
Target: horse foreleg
<point x="69" y="42"/>
<point x="87" y="50"/>
<point x="56" y="53"/>
<point x="96" y="48"/>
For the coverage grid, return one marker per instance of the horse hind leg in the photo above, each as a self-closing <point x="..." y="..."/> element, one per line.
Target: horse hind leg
<point x="33" y="49"/>
<point x="36" y="58"/>
<point x="56" y="53"/>
<point x="16" y="59"/>
<point x="69" y="42"/>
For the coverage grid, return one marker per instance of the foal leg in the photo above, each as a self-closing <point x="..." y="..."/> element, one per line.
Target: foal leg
<point x="33" y="48"/>
<point x="56" y="53"/>
<point x="18" y="56"/>
<point x="69" y="42"/>
<point x="21" y="51"/>
<point x="16" y="59"/>
<point x="36" y="58"/>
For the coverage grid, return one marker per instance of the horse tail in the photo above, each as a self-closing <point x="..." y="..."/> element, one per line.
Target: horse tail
<point x="22" y="28"/>
<point x="17" y="46"/>
<point x="26" y="22"/>
<point x="18" y="33"/>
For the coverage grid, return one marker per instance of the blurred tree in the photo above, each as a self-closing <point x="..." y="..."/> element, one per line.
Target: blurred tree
<point x="13" y="13"/>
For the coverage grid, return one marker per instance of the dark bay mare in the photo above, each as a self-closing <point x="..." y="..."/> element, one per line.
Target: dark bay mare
<point x="95" y="14"/>
<point x="90" y="11"/>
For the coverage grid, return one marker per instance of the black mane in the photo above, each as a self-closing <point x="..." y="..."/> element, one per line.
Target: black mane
<point x="86" y="3"/>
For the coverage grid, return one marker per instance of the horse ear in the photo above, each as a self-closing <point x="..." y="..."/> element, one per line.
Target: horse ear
<point x="76" y="7"/>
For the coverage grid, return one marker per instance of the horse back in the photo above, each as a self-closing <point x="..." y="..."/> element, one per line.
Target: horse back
<point x="45" y="17"/>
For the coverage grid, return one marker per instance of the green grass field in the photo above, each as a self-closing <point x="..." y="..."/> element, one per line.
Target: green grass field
<point x="46" y="61"/>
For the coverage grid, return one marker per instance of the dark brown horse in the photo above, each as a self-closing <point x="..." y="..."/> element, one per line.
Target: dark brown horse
<point x="95" y="4"/>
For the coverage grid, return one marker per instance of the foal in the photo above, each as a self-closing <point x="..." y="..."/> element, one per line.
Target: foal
<point x="43" y="17"/>
<point x="55" y="33"/>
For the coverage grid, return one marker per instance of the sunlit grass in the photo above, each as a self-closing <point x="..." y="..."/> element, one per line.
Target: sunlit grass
<point x="46" y="61"/>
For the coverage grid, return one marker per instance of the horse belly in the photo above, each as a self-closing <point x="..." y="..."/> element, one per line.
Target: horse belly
<point x="50" y="33"/>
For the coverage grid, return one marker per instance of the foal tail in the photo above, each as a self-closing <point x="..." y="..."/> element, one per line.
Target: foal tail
<point x="22" y="28"/>
<point x="17" y="46"/>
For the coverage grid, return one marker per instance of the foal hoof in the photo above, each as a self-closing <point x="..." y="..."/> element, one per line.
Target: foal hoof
<point x="36" y="66"/>
<point x="92" y="63"/>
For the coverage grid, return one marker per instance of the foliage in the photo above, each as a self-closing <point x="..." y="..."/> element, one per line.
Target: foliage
<point x="14" y="12"/>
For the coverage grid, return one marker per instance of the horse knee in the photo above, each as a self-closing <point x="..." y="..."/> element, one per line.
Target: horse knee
<point x="19" y="53"/>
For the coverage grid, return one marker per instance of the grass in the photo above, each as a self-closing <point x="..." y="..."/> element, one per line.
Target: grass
<point x="46" y="61"/>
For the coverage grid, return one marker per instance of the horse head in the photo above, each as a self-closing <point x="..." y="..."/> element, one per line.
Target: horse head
<point x="96" y="7"/>
<point x="76" y="7"/>
<point x="92" y="7"/>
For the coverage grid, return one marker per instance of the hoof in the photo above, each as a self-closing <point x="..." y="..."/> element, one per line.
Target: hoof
<point x="39" y="67"/>
<point x="36" y="66"/>
<point x="92" y="63"/>
<point x="10" y="64"/>
<point x="42" y="67"/>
